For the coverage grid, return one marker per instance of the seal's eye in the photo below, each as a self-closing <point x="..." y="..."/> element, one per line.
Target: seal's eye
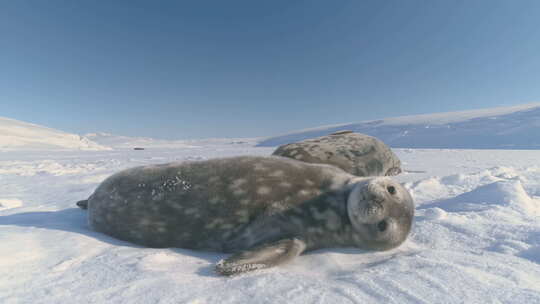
<point x="391" y="189"/>
<point x="382" y="225"/>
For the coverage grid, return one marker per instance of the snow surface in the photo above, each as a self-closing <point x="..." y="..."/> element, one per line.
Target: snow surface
<point x="17" y="135"/>
<point x="476" y="237"/>
<point x="516" y="127"/>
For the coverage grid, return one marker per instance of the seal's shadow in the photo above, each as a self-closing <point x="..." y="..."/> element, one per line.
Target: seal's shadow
<point x="75" y="220"/>
<point x="71" y="219"/>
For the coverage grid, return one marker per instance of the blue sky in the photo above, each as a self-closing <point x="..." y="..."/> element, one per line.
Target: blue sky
<point x="201" y="69"/>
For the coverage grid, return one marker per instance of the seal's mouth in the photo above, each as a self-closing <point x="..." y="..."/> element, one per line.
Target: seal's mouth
<point x="371" y="207"/>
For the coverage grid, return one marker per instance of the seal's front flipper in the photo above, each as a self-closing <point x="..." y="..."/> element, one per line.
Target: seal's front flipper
<point x="264" y="256"/>
<point x="83" y="204"/>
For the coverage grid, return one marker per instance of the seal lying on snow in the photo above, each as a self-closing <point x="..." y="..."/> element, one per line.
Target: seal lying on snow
<point x="266" y="210"/>
<point x="356" y="153"/>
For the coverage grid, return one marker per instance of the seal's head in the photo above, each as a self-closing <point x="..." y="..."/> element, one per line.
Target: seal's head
<point x="381" y="212"/>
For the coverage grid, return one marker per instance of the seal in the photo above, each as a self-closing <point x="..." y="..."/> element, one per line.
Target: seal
<point x="356" y="153"/>
<point x="264" y="210"/>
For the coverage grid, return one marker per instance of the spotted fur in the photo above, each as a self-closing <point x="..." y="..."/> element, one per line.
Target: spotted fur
<point x="356" y="153"/>
<point x="248" y="204"/>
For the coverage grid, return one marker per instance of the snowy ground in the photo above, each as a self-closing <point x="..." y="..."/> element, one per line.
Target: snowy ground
<point x="476" y="238"/>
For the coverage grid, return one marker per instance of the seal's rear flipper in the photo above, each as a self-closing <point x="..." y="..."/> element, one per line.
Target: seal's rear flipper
<point x="264" y="256"/>
<point x="83" y="204"/>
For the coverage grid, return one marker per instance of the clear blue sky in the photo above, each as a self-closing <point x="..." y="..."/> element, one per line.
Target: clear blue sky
<point x="195" y="69"/>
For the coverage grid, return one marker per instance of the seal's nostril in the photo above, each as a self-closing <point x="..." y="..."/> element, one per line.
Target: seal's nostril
<point x="382" y="225"/>
<point x="391" y="189"/>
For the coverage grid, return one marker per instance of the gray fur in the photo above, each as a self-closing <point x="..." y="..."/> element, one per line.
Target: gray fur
<point x="356" y="153"/>
<point x="266" y="210"/>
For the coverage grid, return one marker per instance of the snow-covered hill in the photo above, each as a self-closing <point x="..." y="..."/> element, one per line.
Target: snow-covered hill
<point x="516" y="127"/>
<point x="22" y="136"/>
<point x="126" y="142"/>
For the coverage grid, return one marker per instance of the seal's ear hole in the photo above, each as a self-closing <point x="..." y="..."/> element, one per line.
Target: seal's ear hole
<point x="391" y="189"/>
<point x="382" y="225"/>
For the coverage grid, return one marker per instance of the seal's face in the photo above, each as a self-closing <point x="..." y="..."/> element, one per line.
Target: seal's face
<point x="381" y="212"/>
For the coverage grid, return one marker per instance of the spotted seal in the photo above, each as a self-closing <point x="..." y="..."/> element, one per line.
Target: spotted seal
<point x="356" y="153"/>
<point x="264" y="210"/>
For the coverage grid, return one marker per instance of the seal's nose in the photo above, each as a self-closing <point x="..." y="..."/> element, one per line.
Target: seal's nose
<point x="376" y="191"/>
<point x="381" y="187"/>
<point x="382" y="225"/>
<point x="376" y="198"/>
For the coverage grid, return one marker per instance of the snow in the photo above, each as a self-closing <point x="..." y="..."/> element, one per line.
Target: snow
<point x="476" y="237"/>
<point x="513" y="127"/>
<point x="126" y="142"/>
<point x="22" y="136"/>
<point x="17" y="135"/>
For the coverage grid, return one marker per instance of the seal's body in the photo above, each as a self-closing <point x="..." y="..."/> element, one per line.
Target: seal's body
<point x="356" y="153"/>
<point x="266" y="209"/>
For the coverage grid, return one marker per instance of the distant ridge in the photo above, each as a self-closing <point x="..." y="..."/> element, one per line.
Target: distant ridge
<point x="17" y="135"/>
<point x="128" y="142"/>
<point x="515" y="127"/>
